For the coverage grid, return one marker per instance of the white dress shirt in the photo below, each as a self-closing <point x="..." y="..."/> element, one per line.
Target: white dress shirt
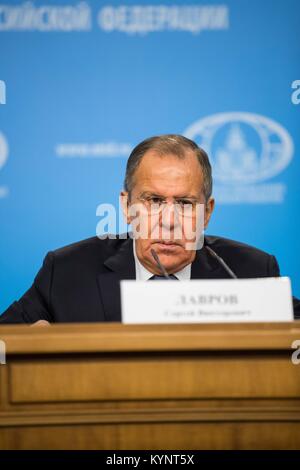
<point x="142" y="274"/>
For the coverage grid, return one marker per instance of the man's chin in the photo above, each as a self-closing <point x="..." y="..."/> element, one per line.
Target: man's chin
<point x="172" y="261"/>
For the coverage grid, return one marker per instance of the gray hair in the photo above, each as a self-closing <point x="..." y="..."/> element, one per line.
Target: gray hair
<point x="169" y="144"/>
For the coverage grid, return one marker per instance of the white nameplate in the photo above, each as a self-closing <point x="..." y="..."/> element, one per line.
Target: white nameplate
<point x="207" y="301"/>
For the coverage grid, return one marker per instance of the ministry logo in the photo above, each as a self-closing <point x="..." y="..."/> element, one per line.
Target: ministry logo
<point x="3" y="150"/>
<point x="3" y="158"/>
<point x="2" y="92"/>
<point x="245" y="149"/>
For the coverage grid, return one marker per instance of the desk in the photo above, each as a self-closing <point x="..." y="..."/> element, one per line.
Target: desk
<point x="113" y="386"/>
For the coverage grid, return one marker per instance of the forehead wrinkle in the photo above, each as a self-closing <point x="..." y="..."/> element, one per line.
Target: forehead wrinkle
<point x="169" y="175"/>
<point x="172" y="175"/>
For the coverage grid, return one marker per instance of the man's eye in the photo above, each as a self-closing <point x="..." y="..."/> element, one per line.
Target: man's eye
<point x="155" y="200"/>
<point x="184" y="202"/>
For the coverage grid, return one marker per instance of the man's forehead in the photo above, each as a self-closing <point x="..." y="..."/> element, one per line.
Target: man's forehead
<point x="154" y="164"/>
<point x="162" y="174"/>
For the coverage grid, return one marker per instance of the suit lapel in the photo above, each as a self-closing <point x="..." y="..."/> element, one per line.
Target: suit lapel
<point x="205" y="266"/>
<point x="119" y="266"/>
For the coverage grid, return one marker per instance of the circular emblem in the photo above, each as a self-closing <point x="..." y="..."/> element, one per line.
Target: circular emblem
<point x="243" y="147"/>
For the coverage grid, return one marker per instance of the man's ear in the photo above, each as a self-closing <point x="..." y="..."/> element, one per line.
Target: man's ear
<point x="208" y="211"/>
<point x="124" y="199"/>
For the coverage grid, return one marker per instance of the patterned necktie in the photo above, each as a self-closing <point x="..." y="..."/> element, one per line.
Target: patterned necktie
<point x="163" y="278"/>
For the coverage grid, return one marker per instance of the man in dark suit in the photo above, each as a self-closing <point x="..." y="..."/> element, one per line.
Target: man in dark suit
<point x="81" y="282"/>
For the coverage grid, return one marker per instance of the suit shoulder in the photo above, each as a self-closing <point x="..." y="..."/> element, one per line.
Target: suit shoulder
<point x="224" y="245"/>
<point x="245" y="260"/>
<point x="90" y="247"/>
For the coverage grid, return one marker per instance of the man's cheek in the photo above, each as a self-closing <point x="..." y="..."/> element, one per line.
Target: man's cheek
<point x="189" y="229"/>
<point x="194" y="234"/>
<point x="139" y="227"/>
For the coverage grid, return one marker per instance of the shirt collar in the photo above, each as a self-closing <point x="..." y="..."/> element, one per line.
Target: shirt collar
<point x="142" y="274"/>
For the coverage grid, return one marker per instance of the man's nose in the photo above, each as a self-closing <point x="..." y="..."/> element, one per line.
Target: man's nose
<point x="169" y="217"/>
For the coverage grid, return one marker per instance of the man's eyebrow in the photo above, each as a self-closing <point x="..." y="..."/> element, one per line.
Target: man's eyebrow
<point x="149" y="193"/>
<point x="186" y="196"/>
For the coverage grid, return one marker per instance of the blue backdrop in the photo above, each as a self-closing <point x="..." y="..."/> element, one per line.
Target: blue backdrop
<point x="85" y="81"/>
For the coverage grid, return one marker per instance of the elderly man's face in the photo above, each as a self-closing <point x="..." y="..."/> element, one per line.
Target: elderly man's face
<point x="177" y="182"/>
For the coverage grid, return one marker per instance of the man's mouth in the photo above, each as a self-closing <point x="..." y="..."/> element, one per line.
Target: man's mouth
<point x="167" y="244"/>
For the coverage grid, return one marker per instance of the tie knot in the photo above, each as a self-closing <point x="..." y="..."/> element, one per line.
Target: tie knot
<point x="163" y="278"/>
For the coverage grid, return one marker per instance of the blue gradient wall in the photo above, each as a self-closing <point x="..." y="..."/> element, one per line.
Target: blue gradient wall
<point x="86" y="81"/>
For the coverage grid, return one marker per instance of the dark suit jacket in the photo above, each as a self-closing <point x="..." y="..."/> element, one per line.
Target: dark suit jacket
<point x="80" y="282"/>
